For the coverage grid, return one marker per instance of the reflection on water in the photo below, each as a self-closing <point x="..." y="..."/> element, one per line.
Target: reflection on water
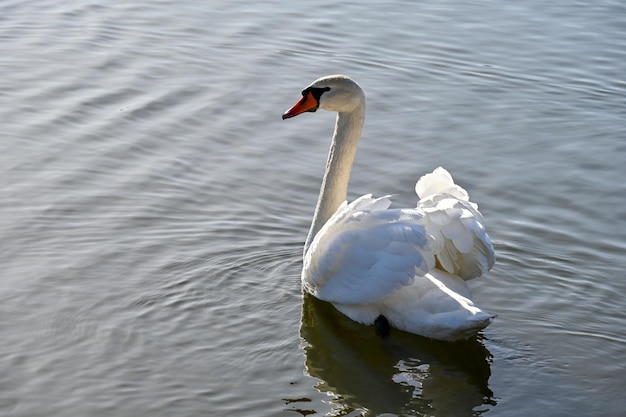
<point x="400" y="374"/>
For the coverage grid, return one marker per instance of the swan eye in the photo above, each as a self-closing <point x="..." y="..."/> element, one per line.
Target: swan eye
<point x="317" y="92"/>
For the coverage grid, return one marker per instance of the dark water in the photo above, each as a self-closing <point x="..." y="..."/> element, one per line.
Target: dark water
<point x="153" y="204"/>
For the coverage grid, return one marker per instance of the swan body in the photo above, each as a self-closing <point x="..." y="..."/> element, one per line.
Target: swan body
<point x="369" y="260"/>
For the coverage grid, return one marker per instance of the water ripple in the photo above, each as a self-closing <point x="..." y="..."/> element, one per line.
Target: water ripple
<point x="155" y="205"/>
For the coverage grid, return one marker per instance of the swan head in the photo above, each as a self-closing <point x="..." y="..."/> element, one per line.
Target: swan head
<point x="337" y="93"/>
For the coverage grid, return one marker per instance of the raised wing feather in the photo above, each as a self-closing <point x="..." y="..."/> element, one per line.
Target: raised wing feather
<point x="461" y="244"/>
<point x="365" y="252"/>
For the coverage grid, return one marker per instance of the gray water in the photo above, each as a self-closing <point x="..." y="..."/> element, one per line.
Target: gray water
<point x="154" y="205"/>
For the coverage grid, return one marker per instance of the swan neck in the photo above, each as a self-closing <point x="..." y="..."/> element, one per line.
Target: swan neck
<point x="341" y="156"/>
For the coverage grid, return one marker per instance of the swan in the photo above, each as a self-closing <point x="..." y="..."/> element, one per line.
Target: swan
<point x="404" y="268"/>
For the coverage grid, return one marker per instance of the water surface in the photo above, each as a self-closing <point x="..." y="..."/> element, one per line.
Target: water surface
<point x="154" y="205"/>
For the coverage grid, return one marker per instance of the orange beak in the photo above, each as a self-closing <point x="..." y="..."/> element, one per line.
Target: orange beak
<point x="307" y="103"/>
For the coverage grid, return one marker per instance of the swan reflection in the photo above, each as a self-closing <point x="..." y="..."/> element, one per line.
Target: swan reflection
<point x="400" y="374"/>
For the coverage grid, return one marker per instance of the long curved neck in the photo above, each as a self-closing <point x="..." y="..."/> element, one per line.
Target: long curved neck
<point x="334" y="188"/>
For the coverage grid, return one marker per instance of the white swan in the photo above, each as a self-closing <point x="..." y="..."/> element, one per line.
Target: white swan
<point x="404" y="268"/>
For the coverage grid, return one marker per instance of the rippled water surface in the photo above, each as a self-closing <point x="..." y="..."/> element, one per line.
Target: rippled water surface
<point x="154" y="206"/>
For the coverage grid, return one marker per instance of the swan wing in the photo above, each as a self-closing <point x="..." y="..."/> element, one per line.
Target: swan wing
<point x="460" y="242"/>
<point x="366" y="251"/>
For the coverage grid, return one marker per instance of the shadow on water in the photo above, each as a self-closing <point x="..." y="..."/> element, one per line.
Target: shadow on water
<point x="401" y="374"/>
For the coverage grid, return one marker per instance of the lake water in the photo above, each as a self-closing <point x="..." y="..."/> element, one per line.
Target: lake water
<point x="154" y="204"/>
